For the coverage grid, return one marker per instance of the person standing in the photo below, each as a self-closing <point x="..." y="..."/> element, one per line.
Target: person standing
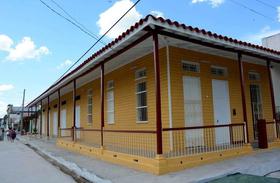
<point x="1" y="134"/>
<point x="13" y="135"/>
<point x="8" y="133"/>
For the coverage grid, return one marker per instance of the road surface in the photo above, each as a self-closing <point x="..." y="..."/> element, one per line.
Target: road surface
<point x="18" y="163"/>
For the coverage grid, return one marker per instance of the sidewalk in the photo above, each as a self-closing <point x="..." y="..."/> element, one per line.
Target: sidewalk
<point x="260" y="163"/>
<point x="18" y="163"/>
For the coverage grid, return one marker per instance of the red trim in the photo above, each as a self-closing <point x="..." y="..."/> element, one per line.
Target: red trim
<point x="41" y="116"/>
<point x="102" y="101"/>
<point x="58" y="110"/>
<point x="243" y="96"/>
<point x="131" y="131"/>
<point x="157" y="92"/>
<point x="74" y="109"/>
<point x="202" y="127"/>
<point x="48" y="118"/>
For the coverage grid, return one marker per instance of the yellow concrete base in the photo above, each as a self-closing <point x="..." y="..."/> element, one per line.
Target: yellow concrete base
<point x="158" y="165"/>
<point x="274" y="144"/>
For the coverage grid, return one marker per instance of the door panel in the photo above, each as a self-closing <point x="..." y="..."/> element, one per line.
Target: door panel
<point x="63" y="121"/>
<point x="43" y="124"/>
<point x="256" y="105"/>
<point x="221" y="105"/>
<point x="55" y="124"/>
<point x="48" y="123"/>
<point x="78" y="123"/>
<point x="193" y="111"/>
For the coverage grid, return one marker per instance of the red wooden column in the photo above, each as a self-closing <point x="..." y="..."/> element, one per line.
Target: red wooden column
<point x="28" y="118"/>
<point x="36" y="115"/>
<point x="58" y="112"/>
<point x="41" y="117"/>
<point x="48" y="118"/>
<point x="243" y="96"/>
<point x="74" y="110"/>
<point x="157" y="92"/>
<point x="102" y="101"/>
<point x="268" y="66"/>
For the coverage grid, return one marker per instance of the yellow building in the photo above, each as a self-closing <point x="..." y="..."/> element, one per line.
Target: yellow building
<point x="162" y="97"/>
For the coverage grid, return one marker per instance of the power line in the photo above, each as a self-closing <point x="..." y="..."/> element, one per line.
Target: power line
<point x="100" y="37"/>
<point x="76" y="21"/>
<point x="67" y="19"/>
<point x="252" y="10"/>
<point x="266" y="4"/>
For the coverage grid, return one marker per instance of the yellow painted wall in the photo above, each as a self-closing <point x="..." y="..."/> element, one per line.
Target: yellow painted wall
<point x="125" y="98"/>
<point x="205" y="61"/>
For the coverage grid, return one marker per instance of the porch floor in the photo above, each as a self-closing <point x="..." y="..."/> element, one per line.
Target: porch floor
<point x="259" y="163"/>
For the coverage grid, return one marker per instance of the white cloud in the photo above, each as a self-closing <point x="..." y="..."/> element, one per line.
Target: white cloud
<point x="64" y="64"/>
<point x="278" y="13"/>
<point x="6" y="87"/>
<point x="264" y="32"/>
<point x="3" y="108"/>
<point x="111" y="15"/>
<point x="5" y="42"/>
<point x="25" y="49"/>
<point x="214" y="3"/>
<point x="157" y="13"/>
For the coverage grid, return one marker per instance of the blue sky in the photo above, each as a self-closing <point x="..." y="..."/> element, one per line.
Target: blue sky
<point x="37" y="46"/>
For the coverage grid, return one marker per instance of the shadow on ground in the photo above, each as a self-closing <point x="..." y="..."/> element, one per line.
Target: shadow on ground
<point x="244" y="178"/>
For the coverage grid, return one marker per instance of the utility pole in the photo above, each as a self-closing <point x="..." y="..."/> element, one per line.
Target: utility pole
<point x="22" y="111"/>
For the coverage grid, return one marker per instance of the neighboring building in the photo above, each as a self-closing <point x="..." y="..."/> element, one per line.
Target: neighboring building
<point x="2" y="125"/>
<point x="163" y="96"/>
<point x="273" y="42"/>
<point x="14" y="115"/>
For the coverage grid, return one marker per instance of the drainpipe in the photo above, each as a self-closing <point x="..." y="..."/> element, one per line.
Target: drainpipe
<point x="165" y="41"/>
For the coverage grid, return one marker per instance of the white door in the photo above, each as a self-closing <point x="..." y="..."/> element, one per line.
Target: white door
<point x="48" y="123"/>
<point x="221" y="106"/>
<point x="193" y="111"/>
<point x="63" y="121"/>
<point x="55" y="124"/>
<point x="78" y="123"/>
<point x="43" y="125"/>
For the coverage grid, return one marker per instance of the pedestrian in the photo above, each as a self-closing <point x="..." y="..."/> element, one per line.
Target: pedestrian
<point x="8" y="133"/>
<point x="13" y="134"/>
<point x="1" y="134"/>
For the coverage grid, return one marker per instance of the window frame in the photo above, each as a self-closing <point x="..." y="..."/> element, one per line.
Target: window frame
<point x="255" y="73"/>
<point x="137" y="93"/>
<point x="90" y="94"/>
<point x="138" y="71"/>
<point x="197" y="64"/>
<point x="110" y="89"/>
<point x="219" y="67"/>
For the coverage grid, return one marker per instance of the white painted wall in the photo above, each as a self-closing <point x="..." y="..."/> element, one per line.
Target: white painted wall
<point x="275" y="72"/>
<point x="272" y="42"/>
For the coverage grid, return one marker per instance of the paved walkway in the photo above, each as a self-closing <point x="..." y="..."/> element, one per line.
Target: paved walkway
<point x="19" y="163"/>
<point x="259" y="163"/>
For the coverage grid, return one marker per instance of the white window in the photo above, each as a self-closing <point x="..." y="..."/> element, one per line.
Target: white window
<point x="89" y="105"/>
<point x="190" y="66"/>
<point x="254" y="76"/>
<point x="141" y="96"/>
<point x="110" y="102"/>
<point x="140" y="74"/>
<point x="218" y="71"/>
